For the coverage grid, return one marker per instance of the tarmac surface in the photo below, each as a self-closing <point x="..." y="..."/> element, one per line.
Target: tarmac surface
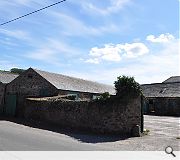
<point x="16" y="136"/>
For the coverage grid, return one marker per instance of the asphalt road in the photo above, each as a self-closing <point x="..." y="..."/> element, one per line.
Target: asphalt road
<point x="164" y="131"/>
<point x="15" y="137"/>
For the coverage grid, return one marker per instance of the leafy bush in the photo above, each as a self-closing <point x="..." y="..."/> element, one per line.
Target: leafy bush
<point x="104" y="96"/>
<point x="127" y="86"/>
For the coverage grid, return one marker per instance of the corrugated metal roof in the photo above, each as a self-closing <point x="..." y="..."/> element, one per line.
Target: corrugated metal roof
<point x="7" y="77"/>
<point x="75" y="84"/>
<point x="161" y="90"/>
<point x="172" y="79"/>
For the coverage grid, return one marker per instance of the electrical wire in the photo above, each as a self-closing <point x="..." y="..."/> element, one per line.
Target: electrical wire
<point x="32" y="12"/>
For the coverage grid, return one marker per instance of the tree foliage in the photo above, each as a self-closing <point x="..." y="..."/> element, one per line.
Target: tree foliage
<point x="104" y="96"/>
<point x="127" y="86"/>
<point x="17" y="70"/>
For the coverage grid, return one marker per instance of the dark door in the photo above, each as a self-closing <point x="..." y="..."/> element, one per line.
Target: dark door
<point x="1" y="109"/>
<point x="1" y="105"/>
<point x="10" y="105"/>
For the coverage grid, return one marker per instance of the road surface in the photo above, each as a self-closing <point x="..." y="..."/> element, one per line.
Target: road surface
<point x="164" y="131"/>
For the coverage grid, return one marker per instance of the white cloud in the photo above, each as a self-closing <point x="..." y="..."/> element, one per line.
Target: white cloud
<point x="92" y="60"/>
<point x="132" y="50"/>
<point x="43" y="54"/>
<point x="108" y="53"/>
<point x="112" y="6"/>
<point x="27" y="3"/>
<point x="114" y="53"/>
<point x="52" y="51"/>
<point x="12" y="9"/>
<point x="151" y="68"/>
<point x="7" y="42"/>
<point x="7" y="65"/>
<point x="72" y="26"/>
<point x="23" y="2"/>
<point x="163" y="38"/>
<point x="18" y="34"/>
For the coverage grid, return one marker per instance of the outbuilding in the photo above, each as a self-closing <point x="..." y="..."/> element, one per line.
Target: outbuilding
<point x="163" y="98"/>
<point x="37" y="83"/>
<point x="5" y="78"/>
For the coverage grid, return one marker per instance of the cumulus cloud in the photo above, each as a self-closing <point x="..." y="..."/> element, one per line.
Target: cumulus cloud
<point x="163" y="38"/>
<point x="108" y="53"/>
<point x="134" y="49"/>
<point x="151" y="68"/>
<point x="92" y="60"/>
<point x="114" y="53"/>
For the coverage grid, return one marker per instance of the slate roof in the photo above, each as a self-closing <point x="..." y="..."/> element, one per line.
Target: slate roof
<point x="172" y="79"/>
<point x="75" y="84"/>
<point x="161" y="90"/>
<point x="7" y="77"/>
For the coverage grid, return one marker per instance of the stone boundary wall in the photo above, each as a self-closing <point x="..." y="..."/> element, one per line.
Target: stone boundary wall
<point x="109" y="116"/>
<point x="167" y="106"/>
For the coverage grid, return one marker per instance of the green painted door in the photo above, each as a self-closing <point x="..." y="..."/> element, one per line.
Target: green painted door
<point x="10" y="105"/>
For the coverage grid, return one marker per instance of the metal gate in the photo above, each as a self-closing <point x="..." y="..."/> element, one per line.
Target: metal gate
<point x="10" y="105"/>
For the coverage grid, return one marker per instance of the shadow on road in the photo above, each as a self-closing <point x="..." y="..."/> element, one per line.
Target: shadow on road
<point x="82" y="136"/>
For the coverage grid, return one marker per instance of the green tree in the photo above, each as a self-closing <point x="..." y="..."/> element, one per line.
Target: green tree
<point x="127" y="86"/>
<point x="104" y="96"/>
<point x="17" y="70"/>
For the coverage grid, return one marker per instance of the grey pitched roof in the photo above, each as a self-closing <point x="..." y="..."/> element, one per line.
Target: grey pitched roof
<point x="75" y="84"/>
<point x="172" y="79"/>
<point x="7" y="77"/>
<point x="161" y="90"/>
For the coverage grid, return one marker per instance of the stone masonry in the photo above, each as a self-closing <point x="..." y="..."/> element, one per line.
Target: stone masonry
<point x="29" y="84"/>
<point x="109" y="116"/>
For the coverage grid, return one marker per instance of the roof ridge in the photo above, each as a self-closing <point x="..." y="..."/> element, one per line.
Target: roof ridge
<point x="172" y="79"/>
<point x="72" y="77"/>
<point x="65" y="82"/>
<point x="159" y="83"/>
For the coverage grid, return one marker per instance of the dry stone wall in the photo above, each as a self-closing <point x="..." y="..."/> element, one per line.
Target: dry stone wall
<point x="110" y="116"/>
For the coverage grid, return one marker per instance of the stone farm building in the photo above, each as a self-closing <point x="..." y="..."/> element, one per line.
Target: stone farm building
<point x="36" y="83"/>
<point x="163" y="98"/>
<point x="5" y="78"/>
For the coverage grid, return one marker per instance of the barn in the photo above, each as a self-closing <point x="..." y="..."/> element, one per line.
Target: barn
<point x="163" y="98"/>
<point x="37" y="83"/>
<point x="5" y="78"/>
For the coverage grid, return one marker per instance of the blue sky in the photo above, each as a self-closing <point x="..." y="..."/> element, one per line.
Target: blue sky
<point x="93" y="39"/>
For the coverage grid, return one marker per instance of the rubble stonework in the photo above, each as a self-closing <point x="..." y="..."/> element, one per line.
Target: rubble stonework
<point x="111" y="116"/>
